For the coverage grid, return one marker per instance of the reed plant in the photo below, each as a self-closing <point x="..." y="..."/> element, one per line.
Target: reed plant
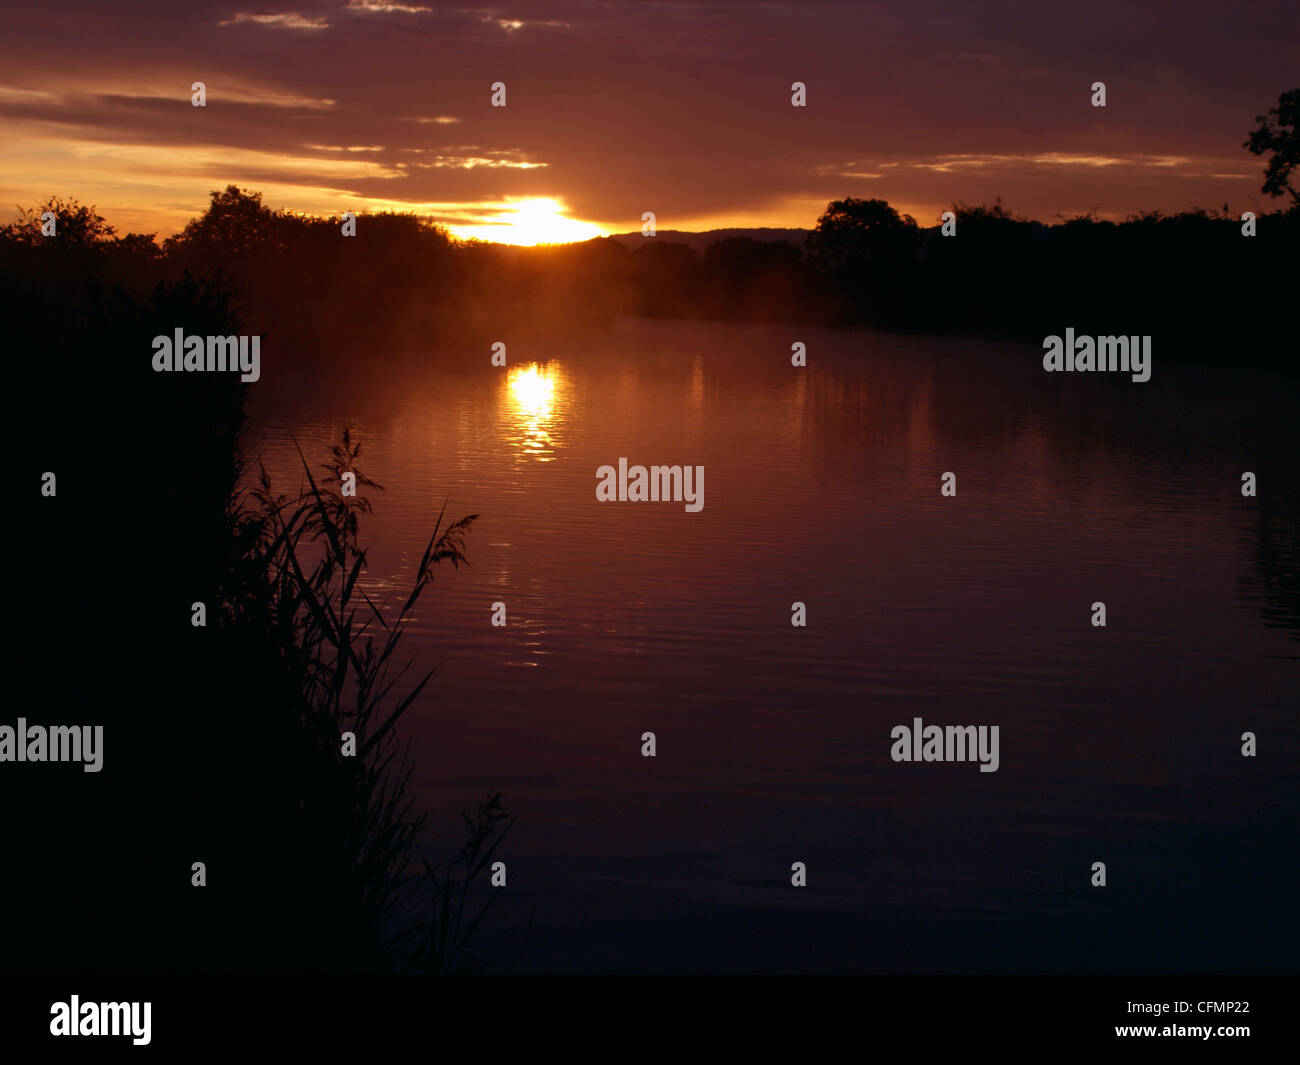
<point x="304" y="586"/>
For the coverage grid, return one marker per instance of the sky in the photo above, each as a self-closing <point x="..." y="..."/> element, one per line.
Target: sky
<point x="616" y="109"/>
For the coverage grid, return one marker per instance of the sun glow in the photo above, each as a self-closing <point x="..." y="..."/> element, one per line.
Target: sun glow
<point x="533" y="390"/>
<point x="534" y="221"/>
<point x="535" y="409"/>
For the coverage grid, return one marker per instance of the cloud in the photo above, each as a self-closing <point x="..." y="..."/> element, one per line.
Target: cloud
<point x="381" y="7"/>
<point x="286" y="21"/>
<point x="947" y="164"/>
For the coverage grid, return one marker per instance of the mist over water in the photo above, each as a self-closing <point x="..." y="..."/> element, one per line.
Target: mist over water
<point x="1119" y="744"/>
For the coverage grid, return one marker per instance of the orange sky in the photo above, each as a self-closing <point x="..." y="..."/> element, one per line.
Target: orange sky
<point x="612" y="110"/>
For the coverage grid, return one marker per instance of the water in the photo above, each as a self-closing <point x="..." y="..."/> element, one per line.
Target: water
<point x="822" y="484"/>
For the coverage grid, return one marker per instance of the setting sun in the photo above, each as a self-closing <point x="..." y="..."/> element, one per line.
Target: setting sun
<point x="531" y="221"/>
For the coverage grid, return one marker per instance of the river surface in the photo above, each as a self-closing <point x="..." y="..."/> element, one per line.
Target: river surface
<point x="1119" y="744"/>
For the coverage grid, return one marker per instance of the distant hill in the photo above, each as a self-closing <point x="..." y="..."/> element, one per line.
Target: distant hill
<point x="699" y="241"/>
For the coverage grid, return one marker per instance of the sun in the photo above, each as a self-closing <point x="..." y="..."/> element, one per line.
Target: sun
<point x="532" y="221"/>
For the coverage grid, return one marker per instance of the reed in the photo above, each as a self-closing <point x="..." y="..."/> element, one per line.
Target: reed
<point x="341" y="648"/>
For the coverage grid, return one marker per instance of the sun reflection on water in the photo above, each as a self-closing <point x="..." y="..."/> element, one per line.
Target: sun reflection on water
<point x="535" y="405"/>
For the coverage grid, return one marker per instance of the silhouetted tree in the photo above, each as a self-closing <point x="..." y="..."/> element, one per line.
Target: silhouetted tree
<point x="852" y="233"/>
<point x="859" y="252"/>
<point x="76" y="225"/>
<point x="1279" y="133"/>
<point x="236" y="221"/>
